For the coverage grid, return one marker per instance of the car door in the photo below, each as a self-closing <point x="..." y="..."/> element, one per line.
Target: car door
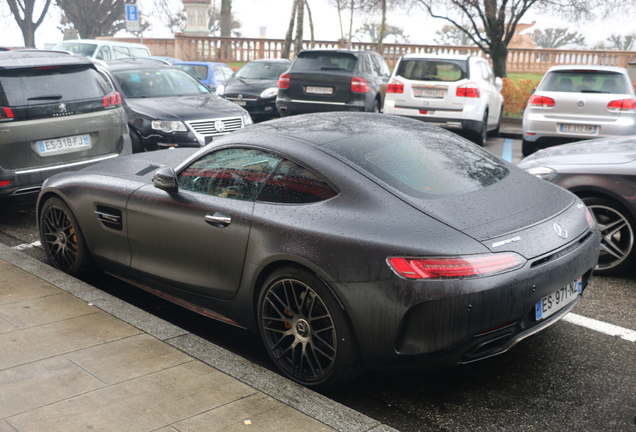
<point x="195" y="239"/>
<point x="491" y="91"/>
<point x="382" y="72"/>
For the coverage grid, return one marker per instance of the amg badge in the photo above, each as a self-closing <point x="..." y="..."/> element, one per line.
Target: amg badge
<point x="507" y="241"/>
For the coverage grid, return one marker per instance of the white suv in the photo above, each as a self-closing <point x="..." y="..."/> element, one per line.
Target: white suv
<point x="457" y="92"/>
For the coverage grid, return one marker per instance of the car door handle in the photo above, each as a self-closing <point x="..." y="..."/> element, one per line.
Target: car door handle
<point x="218" y="220"/>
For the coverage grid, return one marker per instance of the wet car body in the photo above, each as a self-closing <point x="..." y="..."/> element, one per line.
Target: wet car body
<point x="255" y="87"/>
<point x="169" y="118"/>
<point x="351" y="241"/>
<point x="602" y="172"/>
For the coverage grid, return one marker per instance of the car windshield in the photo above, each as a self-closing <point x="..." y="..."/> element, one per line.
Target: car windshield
<point x="432" y="69"/>
<point x="584" y="81"/>
<point x="83" y="49"/>
<point x="200" y="72"/>
<point x="262" y="70"/>
<point x="324" y="61"/>
<point x="429" y="166"/>
<point x="150" y="83"/>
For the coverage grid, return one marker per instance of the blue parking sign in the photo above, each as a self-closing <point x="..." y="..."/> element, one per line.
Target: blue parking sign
<point x="131" y="13"/>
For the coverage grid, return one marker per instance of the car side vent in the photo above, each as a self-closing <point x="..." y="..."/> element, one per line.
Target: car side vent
<point x="148" y="169"/>
<point x="110" y="217"/>
<point x="563" y="251"/>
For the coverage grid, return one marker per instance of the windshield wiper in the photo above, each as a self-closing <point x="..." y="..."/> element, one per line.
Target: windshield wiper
<point x="55" y="96"/>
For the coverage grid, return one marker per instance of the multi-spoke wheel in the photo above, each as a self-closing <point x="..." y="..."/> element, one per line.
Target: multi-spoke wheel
<point x="61" y="237"/>
<point x="305" y="331"/>
<point x="617" y="235"/>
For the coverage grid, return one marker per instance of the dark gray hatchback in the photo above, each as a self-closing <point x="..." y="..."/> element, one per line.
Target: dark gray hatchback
<point x="56" y="114"/>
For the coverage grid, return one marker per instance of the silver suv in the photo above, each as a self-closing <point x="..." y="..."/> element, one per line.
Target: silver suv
<point x="573" y="103"/>
<point x="56" y="114"/>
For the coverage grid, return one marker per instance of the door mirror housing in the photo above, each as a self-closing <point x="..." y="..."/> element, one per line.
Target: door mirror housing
<point x="166" y="179"/>
<point x="499" y="83"/>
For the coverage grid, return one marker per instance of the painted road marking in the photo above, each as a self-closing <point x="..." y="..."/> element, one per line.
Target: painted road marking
<point x="26" y="246"/>
<point x="600" y="326"/>
<point x="506" y="154"/>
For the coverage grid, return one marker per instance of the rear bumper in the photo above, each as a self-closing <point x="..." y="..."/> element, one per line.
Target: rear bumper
<point x="288" y="106"/>
<point x="454" y="124"/>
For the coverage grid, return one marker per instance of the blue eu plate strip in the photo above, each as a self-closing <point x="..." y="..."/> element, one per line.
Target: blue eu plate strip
<point x="506" y="154"/>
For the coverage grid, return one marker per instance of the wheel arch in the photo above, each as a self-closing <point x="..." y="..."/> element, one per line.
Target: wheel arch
<point x="606" y="194"/>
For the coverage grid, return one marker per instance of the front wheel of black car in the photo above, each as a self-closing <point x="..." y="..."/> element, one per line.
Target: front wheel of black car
<point x="305" y="331"/>
<point x="528" y="147"/>
<point x="62" y="238"/>
<point x="617" y="235"/>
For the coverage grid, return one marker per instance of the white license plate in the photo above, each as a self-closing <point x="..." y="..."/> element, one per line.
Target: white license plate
<point x="579" y="129"/>
<point x="319" y="90"/>
<point x="240" y="102"/>
<point x="64" y="145"/>
<point x="429" y="93"/>
<point x="552" y="303"/>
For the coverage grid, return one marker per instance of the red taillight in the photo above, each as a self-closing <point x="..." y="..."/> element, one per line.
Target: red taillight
<point x="541" y="101"/>
<point x="6" y="113"/>
<point x="359" y="85"/>
<point x="395" y="86"/>
<point x="112" y="99"/>
<point x="456" y="267"/>
<point x="118" y="98"/>
<point x="468" y="90"/>
<point x="622" y="105"/>
<point x="283" y="81"/>
<point x="3" y="183"/>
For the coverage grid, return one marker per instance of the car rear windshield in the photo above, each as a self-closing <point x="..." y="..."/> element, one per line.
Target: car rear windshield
<point x="200" y="72"/>
<point x="324" y="61"/>
<point x="433" y="69"/>
<point x="142" y="83"/>
<point x="83" y="49"/>
<point x="262" y="70"/>
<point x="584" y="81"/>
<point x="422" y="165"/>
<point x="20" y="87"/>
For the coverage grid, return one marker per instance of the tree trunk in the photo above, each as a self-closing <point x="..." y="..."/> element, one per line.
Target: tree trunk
<point x="499" y="55"/>
<point x="382" y="28"/>
<point x="351" y="26"/>
<point x="340" y="21"/>
<point x="26" y="24"/>
<point x="290" y="32"/>
<point x="311" y="25"/>
<point x="300" y="20"/>
<point x="226" y="18"/>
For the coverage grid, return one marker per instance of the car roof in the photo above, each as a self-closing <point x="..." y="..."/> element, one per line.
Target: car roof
<point x="138" y="63"/>
<point x="337" y="50"/>
<point x="102" y="41"/>
<point x="202" y="63"/>
<point x="281" y="60"/>
<point x="589" y="68"/>
<point x="438" y="56"/>
<point x="33" y="58"/>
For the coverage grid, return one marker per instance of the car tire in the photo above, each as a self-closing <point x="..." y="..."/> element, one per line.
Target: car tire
<point x="376" y="106"/>
<point x="137" y="146"/>
<point x="617" y="227"/>
<point x="528" y="147"/>
<point x="481" y="135"/>
<point x="497" y="131"/>
<point x="62" y="238"/>
<point x="318" y="353"/>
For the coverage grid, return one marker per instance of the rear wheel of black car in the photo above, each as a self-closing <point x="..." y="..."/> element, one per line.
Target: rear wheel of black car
<point x="497" y="131"/>
<point x="376" y="106"/>
<point x="617" y="235"/>
<point x="527" y="147"/>
<point x="305" y="331"/>
<point x="481" y="135"/>
<point x="62" y="238"/>
<point x="137" y="147"/>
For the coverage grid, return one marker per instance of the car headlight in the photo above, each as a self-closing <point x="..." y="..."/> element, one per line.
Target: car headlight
<point x="169" y="126"/>
<point x="270" y="92"/>
<point x="542" y="172"/>
<point x="220" y="89"/>
<point x="247" y="120"/>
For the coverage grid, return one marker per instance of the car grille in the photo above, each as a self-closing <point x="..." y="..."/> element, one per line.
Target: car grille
<point x="217" y="126"/>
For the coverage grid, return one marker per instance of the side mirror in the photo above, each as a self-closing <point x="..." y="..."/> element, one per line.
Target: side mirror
<point x="165" y="179"/>
<point x="499" y="83"/>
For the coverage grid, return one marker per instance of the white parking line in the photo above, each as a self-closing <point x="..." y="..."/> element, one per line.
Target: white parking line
<point x="600" y="326"/>
<point x="26" y="246"/>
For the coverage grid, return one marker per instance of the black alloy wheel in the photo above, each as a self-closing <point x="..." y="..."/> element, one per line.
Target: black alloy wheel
<point x="617" y="235"/>
<point x="305" y="331"/>
<point x="376" y="107"/>
<point x="497" y="131"/>
<point x="62" y="238"/>
<point x="137" y="147"/>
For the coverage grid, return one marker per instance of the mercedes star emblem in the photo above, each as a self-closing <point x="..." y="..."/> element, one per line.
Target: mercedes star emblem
<point x="560" y="230"/>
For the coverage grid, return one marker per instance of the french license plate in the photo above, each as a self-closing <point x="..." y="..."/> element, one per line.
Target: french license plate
<point x="554" y="302"/>
<point x="430" y="93"/>
<point x="319" y="90"/>
<point x="64" y="145"/>
<point x="579" y="129"/>
<point x="240" y="102"/>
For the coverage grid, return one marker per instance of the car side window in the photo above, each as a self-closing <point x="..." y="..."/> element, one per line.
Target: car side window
<point x="377" y="65"/>
<point x="485" y="72"/>
<point x="368" y="68"/>
<point x="219" y="73"/>
<point x="294" y="184"/>
<point x="237" y="173"/>
<point x="104" y="53"/>
<point x="120" y="52"/>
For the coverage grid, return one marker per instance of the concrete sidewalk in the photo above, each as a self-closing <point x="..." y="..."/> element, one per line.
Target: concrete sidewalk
<point x="73" y="358"/>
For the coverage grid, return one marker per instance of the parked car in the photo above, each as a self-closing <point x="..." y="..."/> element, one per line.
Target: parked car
<point x="457" y="92"/>
<point x="56" y="114"/>
<point x="103" y="49"/>
<point x="602" y="172"/>
<point x="170" y="60"/>
<point x="579" y="102"/>
<point x="348" y="240"/>
<point x="255" y="87"/>
<point x="333" y="80"/>
<point x="209" y="73"/>
<point x="167" y="107"/>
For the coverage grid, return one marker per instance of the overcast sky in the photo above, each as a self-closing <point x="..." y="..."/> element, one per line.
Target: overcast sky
<point x="274" y="14"/>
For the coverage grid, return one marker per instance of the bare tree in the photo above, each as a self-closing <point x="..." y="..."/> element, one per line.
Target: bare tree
<point x="23" y="12"/>
<point x="556" y="38"/>
<point x="618" y="43"/>
<point x="290" y="31"/>
<point x="451" y="35"/>
<point x="214" y="23"/>
<point x="499" y="19"/>
<point x="297" y="15"/>
<point x="226" y="18"/>
<point x="372" y="31"/>
<point x="94" y="18"/>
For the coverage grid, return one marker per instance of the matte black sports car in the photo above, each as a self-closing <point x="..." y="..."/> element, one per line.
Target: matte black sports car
<point x="347" y="240"/>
